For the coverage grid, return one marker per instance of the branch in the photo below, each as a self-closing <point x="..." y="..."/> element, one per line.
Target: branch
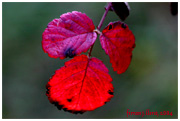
<point x="107" y="8"/>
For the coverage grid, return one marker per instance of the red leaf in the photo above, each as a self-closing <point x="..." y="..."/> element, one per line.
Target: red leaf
<point x="118" y="42"/>
<point x="83" y="84"/>
<point x="69" y="35"/>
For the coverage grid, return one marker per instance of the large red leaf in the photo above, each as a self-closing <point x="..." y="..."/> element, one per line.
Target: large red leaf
<point x="83" y="84"/>
<point x="118" y="42"/>
<point x="69" y="35"/>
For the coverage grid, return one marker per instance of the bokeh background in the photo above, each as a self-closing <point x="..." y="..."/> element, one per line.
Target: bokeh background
<point x="151" y="81"/>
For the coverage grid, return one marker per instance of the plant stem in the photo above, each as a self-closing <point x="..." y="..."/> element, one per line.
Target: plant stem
<point x="107" y="8"/>
<point x="104" y="16"/>
<point x="89" y="53"/>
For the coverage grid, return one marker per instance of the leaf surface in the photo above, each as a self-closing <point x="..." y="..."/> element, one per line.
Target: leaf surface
<point x="121" y="9"/>
<point x="69" y="35"/>
<point x="118" y="42"/>
<point x="83" y="84"/>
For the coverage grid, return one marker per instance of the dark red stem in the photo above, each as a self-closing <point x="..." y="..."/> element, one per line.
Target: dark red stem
<point x="107" y="8"/>
<point x="104" y="16"/>
<point x="89" y="54"/>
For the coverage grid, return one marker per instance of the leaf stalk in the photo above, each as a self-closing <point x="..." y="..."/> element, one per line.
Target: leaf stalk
<point x="107" y="8"/>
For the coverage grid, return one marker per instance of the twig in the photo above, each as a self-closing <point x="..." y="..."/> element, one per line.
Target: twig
<point x="107" y="8"/>
<point x="104" y="16"/>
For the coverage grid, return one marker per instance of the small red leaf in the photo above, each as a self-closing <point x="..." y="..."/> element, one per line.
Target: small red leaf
<point x="83" y="84"/>
<point x="69" y="35"/>
<point x="118" y="42"/>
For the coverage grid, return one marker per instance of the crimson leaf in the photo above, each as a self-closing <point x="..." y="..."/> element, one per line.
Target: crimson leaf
<point x="69" y="35"/>
<point x="118" y="42"/>
<point x="83" y="84"/>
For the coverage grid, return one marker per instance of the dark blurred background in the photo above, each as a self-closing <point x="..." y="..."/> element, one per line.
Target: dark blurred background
<point x="149" y="83"/>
